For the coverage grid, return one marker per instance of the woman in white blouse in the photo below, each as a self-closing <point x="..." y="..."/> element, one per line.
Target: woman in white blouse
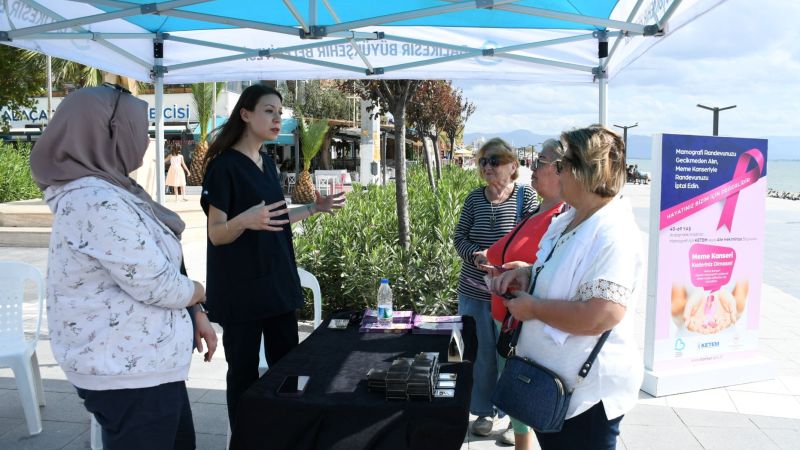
<point x="589" y="284"/>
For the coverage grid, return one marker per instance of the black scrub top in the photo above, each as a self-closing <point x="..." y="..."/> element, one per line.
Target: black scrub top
<point x="254" y="276"/>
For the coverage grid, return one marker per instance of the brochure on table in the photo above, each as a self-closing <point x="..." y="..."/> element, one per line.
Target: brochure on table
<point x="706" y="263"/>
<point x="408" y="321"/>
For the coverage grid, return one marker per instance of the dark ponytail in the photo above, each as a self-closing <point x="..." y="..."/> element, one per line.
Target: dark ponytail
<point x="228" y="133"/>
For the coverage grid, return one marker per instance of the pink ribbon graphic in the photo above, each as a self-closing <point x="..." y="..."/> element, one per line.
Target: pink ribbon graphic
<point x="729" y="191"/>
<point x="726" y="219"/>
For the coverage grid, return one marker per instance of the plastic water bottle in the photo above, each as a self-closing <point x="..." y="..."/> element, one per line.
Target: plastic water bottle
<point x="385" y="310"/>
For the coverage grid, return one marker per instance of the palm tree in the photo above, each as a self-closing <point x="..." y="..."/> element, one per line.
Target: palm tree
<point x="311" y="137"/>
<point x="77" y="75"/>
<point x="203" y="97"/>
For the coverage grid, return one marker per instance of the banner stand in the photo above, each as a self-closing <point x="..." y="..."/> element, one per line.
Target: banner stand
<point x="706" y="256"/>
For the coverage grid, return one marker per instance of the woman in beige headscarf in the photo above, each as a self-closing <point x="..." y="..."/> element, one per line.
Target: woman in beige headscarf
<point x="117" y="300"/>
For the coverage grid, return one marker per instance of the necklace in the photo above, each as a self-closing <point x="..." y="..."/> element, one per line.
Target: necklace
<point x="500" y="201"/>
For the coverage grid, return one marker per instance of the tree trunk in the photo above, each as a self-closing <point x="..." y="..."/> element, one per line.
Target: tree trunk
<point x="403" y="224"/>
<point x="437" y="158"/>
<point x="325" y="151"/>
<point x="452" y="147"/>
<point x="428" y="163"/>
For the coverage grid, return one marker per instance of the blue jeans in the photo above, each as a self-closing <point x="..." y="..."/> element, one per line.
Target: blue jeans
<point x="484" y="372"/>
<point x="589" y="430"/>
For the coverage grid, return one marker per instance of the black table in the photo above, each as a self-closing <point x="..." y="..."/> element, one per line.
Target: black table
<point x="338" y="412"/>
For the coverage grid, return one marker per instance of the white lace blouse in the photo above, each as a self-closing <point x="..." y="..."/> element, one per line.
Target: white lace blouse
<point x="601" y="258"/>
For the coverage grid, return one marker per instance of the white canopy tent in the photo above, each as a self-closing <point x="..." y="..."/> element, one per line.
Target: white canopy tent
<point x="182" y="41"/>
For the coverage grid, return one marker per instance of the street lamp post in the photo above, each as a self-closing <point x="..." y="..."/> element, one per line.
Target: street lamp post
<point x="716" y="115"/>
<point x="625" y="133"/>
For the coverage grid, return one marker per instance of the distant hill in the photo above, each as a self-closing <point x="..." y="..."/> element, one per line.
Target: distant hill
<point x="639" y="146"/>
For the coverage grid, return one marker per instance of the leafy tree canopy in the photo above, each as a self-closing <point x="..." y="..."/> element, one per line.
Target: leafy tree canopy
<point x="19" y="84"/>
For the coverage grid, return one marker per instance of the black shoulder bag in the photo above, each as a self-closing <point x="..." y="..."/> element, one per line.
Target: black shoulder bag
<point x="532" y="393"/>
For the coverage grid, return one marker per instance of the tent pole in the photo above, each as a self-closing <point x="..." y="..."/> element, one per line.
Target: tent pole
<point x="603" y="86"/>
<point x="158" y="78"/>
<point x="601" y="75"/>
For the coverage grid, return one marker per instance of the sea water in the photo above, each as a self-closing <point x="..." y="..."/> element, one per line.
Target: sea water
<point x="782" y="175"/>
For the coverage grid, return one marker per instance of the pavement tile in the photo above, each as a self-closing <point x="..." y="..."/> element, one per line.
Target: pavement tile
<point x="64" y="407"/>
<point x="210" y="418"/>
<point x="712" y="399"/>
<point x="727" y="438"/>
<point x="792" y="383"/>
<point x="767" y="422"/>
<point x="774" y="386"/>
<point x="650" y="414"/>
<point x="784" y="439"/>
<point x="55" y="435"/>
<point x="211" y="441"/>
<point x="216" y="396"/>
<point x="8" y="424"/>
<point x="766" y="404"/>
<point x="701" y="418"/>
<point x="657" y="437"/>
<point x="195" y="394"/>
<point x="81" y="442"/>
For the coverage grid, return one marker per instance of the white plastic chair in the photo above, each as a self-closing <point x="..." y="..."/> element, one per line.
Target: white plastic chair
<point x="325" y="184"/>
<point x="16" y="352"/>
<point x="95" y="435"/>
<point x="290" y="182"/>
<point x="309" y="281"/>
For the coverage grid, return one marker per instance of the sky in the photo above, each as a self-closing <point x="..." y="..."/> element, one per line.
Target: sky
<point x="743" y="52"/>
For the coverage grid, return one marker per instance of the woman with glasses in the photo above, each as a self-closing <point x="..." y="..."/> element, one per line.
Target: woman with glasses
<point x="117" y="301"/>
<point x="489" y="213"/>
<point x="586" y="280"/>
<point x="253" y="286"/>
<point x="514" y="250"/>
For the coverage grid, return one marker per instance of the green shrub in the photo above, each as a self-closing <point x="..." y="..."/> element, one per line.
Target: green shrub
<point x="350" y="251"/>
<point x="16" y="182"/>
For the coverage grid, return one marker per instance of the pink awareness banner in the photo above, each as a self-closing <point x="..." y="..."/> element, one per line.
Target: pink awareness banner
<point x="728" y="191"/>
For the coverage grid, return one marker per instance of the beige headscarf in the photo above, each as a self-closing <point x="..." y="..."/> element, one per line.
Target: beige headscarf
<point x="81" y="141"/>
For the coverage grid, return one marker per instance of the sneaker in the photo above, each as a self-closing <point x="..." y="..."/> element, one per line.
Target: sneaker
<point x="482" y="426"/>
<point x="507" y="438"/>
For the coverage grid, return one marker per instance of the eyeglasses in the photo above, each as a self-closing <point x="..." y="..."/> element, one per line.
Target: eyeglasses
<point x="537" y="163"/>
<point x="494" y="161"/>
<point x="563" y="164"/>
<point x="120" y="90"/>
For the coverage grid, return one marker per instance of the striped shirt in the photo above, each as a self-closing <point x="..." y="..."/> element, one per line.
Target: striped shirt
<point x="481" y="224"/>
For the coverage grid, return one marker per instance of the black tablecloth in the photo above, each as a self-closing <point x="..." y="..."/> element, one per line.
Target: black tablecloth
<point x="338" y="412"/>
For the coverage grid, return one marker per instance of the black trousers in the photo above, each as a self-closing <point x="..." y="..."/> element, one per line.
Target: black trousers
<point x="157" y="417"/>
<point x="242" y="341"/>
<point x="589" y="430"/>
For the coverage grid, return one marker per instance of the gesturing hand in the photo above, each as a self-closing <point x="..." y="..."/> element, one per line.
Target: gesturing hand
<point x="329" y="203"/>
<point x="262" y="217"/>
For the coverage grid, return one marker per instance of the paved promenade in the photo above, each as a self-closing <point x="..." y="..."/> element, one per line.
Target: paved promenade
<point x="764" y="415"/>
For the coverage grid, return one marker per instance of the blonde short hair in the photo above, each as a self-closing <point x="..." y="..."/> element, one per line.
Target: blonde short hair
<point x="502" y="149"/>
<point x="597" y="157"/>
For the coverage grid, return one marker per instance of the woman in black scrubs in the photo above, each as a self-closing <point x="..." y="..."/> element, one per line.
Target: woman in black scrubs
<point x="252" y="284"/>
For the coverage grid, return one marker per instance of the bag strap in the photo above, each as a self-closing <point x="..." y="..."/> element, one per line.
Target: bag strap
<point x="587" y="365"/>
<point x="520" y="201"/>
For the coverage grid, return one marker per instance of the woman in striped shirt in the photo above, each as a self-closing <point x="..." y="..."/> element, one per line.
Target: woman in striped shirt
<point x="489" y="213"/>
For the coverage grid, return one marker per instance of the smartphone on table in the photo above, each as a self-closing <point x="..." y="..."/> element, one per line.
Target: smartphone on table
<point x="292" y="386"/>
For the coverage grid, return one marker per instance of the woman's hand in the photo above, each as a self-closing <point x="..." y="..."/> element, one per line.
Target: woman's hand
<point x="329" y="203"/>
<point x="521" y="306"/>
<point x="203" y="331"/>
<point x="262" y="217"/>
<point x="494" y="271"/>
<point x="480" y="258"/>
<point x="514" y="279"/>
